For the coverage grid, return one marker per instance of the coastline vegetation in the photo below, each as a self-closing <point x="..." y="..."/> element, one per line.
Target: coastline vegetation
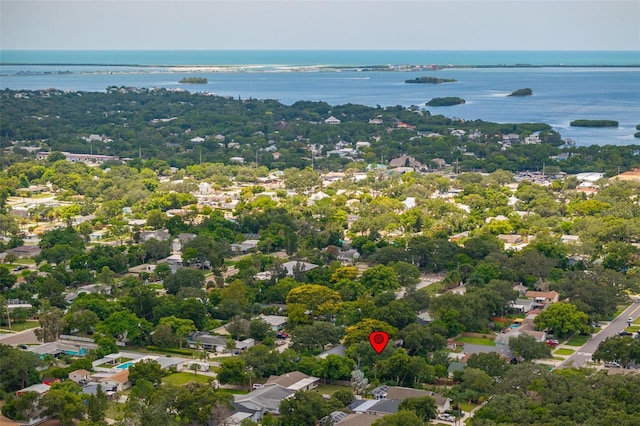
<point x="594" y="123"/>
<point x="446" y="101"/>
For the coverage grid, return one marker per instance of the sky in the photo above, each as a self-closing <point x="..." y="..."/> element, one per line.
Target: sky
<point x="326" y="24"/>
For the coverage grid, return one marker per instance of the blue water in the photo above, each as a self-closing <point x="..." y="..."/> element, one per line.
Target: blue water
<point x="125" y="365"/>
<point x="319" y="57"/>
<point x="561" y="94"/>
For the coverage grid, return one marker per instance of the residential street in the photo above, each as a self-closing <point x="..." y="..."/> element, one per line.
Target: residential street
<point x="583" y="354"/>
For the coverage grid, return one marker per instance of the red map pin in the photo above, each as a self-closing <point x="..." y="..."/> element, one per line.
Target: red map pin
<point x="378" y="340"/>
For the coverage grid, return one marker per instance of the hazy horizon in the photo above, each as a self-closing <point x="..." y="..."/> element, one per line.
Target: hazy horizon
<point x="464" y="25"/>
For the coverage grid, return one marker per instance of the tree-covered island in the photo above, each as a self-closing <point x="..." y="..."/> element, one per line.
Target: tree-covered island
<point x="430" y="80"/>
<point x="522" y="92"/>
<point x="446" y="101"/>
<point x="193" y="80"/>
<point x="594" y="123"/>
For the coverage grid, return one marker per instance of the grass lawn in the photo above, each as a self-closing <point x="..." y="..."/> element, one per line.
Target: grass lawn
<point x="633" y="328"/>
<point x="184" y="378"/>
<point x="115" y="411"/>
<point x="21" y="326"/>
<point x="619" y="310"/>
<point x="558" y="358"/>
<point x="329" y="389"/>
<point x="563" y="351"/>
<point x="465" y="406"/>
<point x="234" y="391"/>
<point x="476" y="341"/>
<point x="434" y="288"/>
<point x="577" y="340"/>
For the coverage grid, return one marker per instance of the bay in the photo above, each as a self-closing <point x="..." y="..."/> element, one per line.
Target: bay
<point x="561" y="94"/>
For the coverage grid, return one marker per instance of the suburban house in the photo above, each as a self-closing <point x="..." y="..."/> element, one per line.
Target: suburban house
<point x="244" y="247"/>
<point x="118" y="382"/>
<point x="78" y="376"/>
<point x="40" y="388"/>
<point x="25" y="252"/>
<point x="158" y="234"/>
<point x="277" y="322"/>
<point x="208" y="342"/>
<point x="260" y="401"/>
<point x="332" y="120"/>
<point x="543" y="297"/>
<point x="294" y="381"/>
<point x="294" y="266"/>
<point x="522" y="305"/>
<point x="360" y="419"/>
<point x="35" y="414"/>
<point x="399" y="393"/>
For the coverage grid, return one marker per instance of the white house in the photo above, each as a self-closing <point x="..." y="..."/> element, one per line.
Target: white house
<point x="332" y="120"/>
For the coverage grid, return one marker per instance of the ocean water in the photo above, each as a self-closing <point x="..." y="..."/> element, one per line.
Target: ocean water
<point x="590" y="85"/>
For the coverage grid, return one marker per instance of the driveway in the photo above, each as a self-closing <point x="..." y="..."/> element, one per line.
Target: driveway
<point x="583" y="354"/>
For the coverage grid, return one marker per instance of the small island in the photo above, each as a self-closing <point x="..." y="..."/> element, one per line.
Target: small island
<point x="193" y="80"/>
<point x="522" y="92"/>
<point x="594" y="123"/>
<point x="430" y="80"/>
<point x="448" y="101"/>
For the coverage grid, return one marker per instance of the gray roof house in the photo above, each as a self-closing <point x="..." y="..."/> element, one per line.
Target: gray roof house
<point x="260" y="401"/>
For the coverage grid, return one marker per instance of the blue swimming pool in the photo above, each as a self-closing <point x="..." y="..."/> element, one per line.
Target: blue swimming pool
<point x="125" y="365"/>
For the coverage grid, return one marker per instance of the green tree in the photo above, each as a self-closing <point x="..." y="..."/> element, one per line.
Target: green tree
<point x="184" y="277"/>
<point x="308" y="338"/>
<point x="181" y="327"/>
<point x="360" y="332"/>
<point x="491" y="363"/>
<point x="18" y="369"/>
<point x="125" y="326"/>
<point x="401" y="418"/>
<point x="97" y="406"/>
<point x="232" y="370"/>
<point x="563" y="319"/>
<point x="624" y="350"/>
<point x="424" y="407"/>
<point x="64" y="401"/>
<point x="528" y="348"/>
<point x="379" y="278"/>
<point x="148" y="370"/>
<point x="51" y="325"/>
<point x="303" y="409"/>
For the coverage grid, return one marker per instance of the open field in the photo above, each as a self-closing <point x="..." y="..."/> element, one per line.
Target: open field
<point x="20" y="326"/>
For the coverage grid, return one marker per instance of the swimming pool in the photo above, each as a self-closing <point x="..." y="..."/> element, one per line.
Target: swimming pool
<point x="125" y="365"/>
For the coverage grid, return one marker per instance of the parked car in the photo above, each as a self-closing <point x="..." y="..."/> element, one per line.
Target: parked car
<point x="596" y="325"/>
<point x="612" y="364"/>
<point x="258" y="385"/>
<point x="446" y="417"/>
<point x="282" y="335"/>
<point x="552" y="342"/>
<point x="625" y="333"/>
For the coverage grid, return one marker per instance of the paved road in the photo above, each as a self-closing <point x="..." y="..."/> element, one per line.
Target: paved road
<point x="22" y="338"/>
<point x="583" y="355"/>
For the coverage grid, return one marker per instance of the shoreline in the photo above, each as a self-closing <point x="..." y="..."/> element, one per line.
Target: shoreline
<point x="277" y="68"/>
